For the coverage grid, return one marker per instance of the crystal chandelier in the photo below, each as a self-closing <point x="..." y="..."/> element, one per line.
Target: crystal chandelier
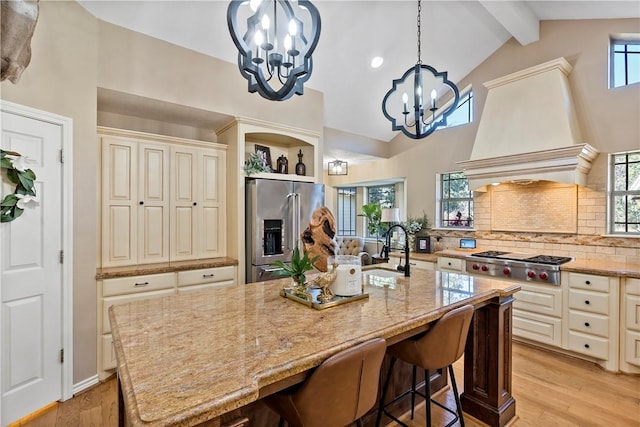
<point x="418" y="120"/>
<point x="275" y="45"/>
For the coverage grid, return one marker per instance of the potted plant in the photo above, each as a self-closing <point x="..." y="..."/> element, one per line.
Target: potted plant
<point x="296" y="269"/>
<point x="375" y="226"/>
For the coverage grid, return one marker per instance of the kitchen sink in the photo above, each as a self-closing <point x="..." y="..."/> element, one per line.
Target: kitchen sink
<point x="382" y="272"/>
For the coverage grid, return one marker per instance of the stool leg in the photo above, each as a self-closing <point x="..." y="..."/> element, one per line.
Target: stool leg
<point x="281" y="422"/>
<point x="358" y="423"/>
<point x="427" y="393"/>
<point x="455" y="394"/>
<point x="384" y="391"/>
<point x="413" y="390"/>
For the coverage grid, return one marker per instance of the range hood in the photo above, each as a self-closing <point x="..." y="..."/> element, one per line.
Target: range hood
<point x="529" y="131"/>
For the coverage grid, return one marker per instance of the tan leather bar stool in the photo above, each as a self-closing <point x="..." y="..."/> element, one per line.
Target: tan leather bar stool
<point x="438" y="348"/>
<point x="337" y="393"/>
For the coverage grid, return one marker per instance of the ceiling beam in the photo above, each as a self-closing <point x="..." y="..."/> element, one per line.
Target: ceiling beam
<point x="516" y="17"/>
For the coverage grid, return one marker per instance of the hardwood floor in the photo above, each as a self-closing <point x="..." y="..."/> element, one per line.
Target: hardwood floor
<point x="550" y="390"/>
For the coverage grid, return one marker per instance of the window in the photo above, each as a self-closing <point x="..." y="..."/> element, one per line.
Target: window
<point x="456" y="204"/>
<point x="624" y="199"/>
<point x="346" y="211"/>
<point x="463" y="113"/>
<point x="624" y="62"/>
<point x="383" y="195"/>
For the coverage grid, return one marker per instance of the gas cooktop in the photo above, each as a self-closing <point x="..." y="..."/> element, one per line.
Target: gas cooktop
<point x="529" y="258"/>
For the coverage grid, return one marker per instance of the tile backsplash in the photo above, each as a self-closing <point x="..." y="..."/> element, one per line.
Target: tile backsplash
<point x="589" y="242"/>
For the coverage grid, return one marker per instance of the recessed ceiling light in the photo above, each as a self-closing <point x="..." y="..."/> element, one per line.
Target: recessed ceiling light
<point x="376" y="62"/>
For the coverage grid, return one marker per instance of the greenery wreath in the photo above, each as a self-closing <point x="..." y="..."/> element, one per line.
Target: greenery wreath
<point x="13" y="204"/>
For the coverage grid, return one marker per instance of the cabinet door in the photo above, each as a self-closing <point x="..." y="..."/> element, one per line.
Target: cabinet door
<point x="211" y="181"/>
<point x="184" y="202"/>
<point x="153" y="203"/>
<point x="119" y="205"/>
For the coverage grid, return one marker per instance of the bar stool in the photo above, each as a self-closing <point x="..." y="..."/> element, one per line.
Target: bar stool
<point x="437" y="348"/>
<point x="337" y="393"/>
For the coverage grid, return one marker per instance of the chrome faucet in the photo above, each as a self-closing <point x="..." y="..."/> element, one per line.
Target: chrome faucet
<point x="406" y="248"/>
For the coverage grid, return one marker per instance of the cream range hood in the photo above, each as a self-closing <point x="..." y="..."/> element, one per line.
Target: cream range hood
<point x="529" y="132"/>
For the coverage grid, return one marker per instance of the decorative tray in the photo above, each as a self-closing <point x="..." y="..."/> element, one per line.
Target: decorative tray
<point x="312" y="298"/>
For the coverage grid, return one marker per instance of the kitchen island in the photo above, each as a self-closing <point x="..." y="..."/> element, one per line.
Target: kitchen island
<point x="191" y="358"/>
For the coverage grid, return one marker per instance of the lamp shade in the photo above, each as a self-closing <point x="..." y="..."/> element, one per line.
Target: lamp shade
<point x="390" y="215"/>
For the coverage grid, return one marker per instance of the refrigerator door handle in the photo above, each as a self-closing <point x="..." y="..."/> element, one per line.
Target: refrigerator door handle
<point x="291" y="204"/>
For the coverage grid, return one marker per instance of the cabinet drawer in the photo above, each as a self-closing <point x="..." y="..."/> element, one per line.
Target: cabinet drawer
<point x="205" y="286"/>
<point x="108" y="352"/>
<point x="136" y="284"/>
<point x="108" y="302"/>
<point x="537" y="327"/>
<point x="632" y="310"/>
<point x="542" y="299"/>
<point x="632" y="347"/>
<point x="206" y="275"/>
<point x="589" y="281"/>
<point x="593" y="302"/>
<point x="633" y="286"/>
<point x="453" y="264"/>
<point x="589" y="323"/>
<point x="589" y="344"/>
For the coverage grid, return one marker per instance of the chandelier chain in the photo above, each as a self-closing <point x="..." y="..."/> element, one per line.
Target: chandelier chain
<point x="418" y="21"/>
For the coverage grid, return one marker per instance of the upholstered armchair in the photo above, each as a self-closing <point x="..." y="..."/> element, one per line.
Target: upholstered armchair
<point x="353" y="245"/>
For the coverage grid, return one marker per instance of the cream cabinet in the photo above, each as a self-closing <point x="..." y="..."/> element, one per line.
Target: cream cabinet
<point x="630" y="327"/>
<point x="163" y="199"/>
<point x="592" y="317"/>
<point x="537" y="313"/>
<point x="396" y="258"/>
<point x="197" y="226"/>
<point x="135" y="209"/>
<point x="450" y="264"/>
<point x="134" y="288"/>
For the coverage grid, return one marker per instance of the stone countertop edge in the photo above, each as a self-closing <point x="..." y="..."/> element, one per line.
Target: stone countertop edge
<point x="164" y="267"/>
<point x="242" y="396"/>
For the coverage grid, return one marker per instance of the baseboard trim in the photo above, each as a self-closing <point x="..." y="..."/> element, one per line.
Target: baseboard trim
<point x="85" y="384"/>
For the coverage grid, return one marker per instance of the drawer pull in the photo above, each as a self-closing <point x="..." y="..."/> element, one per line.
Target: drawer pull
<point x="204" y="276"/>
<point x="587" y="302"/>
<point x="141" y="203"/>
<point x="141" y="284"/>
<point x="588" y="282"/>
<point x="586" y="346"/>
<point x="587" y="324"/>
<point x="448" y="263"/>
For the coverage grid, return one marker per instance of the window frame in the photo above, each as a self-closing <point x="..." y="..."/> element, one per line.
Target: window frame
<point x="368" y="200"/>
<point x="442" y="200"/>
<point x="612" y="55"/>
<point x="630" y="195"/>
<point x="353" y="223"/>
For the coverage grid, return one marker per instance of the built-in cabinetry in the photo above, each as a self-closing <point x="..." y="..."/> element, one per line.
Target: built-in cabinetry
<point x="537" y="313"/>
<point x="630" y="327"/>
<point x="125" y="289"/>
<point x="163" y="198"/>
<point x="592" y="316"/>
<point x="398" y="258"/>
<point x="241" y="136"/>
<point x="445" y="263"/>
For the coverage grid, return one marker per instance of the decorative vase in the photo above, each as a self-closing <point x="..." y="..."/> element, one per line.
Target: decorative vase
<point x="412" y="242"/>
<point x="283" y="164"/>
<point x="299" y="287"/>
<point x="301" y="169"/>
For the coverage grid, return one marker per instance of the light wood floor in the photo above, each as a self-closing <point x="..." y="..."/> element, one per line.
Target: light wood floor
<point x="550" y="390"/>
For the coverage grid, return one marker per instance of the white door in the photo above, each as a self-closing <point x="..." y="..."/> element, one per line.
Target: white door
<point x="31" y="275"/>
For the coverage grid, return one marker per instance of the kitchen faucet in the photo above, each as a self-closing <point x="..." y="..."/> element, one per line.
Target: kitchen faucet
<point x="406" y="248"/>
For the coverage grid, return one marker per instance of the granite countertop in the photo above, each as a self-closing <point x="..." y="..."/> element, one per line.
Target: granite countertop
<point x="184" y="359"/>
<point x="165" y="267"/>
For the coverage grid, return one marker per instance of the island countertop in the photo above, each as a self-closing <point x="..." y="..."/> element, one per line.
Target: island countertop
<point x="184" y="359"/>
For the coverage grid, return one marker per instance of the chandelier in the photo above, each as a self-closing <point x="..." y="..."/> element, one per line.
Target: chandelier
<point x="275" y="45"/>
<point x="417" y="120"/>
<point x="338" y="167"/>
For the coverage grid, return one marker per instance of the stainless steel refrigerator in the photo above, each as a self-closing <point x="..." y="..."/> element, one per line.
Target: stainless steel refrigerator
<point x="276" y="212"/>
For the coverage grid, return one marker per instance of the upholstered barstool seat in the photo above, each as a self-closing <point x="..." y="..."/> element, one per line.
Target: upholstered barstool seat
<point x="438" y="348"/>
<point x="338" y="392"/>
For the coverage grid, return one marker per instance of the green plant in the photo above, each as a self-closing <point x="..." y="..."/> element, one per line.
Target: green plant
<point x="13" y="204"/>
<point x="417" y="225"/>
<point x="254" y="164"/>
<point x="373" y="213"/>
<point x="298" y="267"/>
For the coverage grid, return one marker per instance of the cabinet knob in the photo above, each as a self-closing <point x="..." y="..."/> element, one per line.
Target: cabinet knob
<point x="587" y="302"/>
<point x="586" y="346"/>
<point x="195" y="203"/>
<point x="588" y="282"/>
<point x="587" y="324"/>
<point x="141" y="284"/>
<point x="141" y="203"/>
